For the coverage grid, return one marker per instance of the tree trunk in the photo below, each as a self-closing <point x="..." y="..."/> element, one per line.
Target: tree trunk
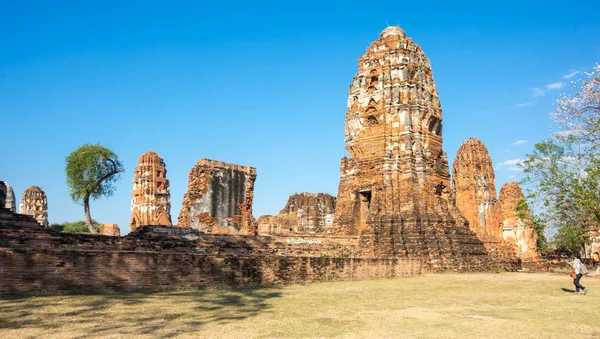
<point x="88" y="217"/>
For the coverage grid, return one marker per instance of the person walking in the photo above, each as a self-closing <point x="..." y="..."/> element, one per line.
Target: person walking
<point x="579" y="269"/>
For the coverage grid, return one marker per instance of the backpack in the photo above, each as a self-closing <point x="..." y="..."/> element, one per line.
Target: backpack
<point x="583" y="269"/>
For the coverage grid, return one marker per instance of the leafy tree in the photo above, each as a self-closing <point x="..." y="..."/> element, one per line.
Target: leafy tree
<point x="563" y="172"/>
<point x="91" y="172"/>
<point x="74" y="227"/>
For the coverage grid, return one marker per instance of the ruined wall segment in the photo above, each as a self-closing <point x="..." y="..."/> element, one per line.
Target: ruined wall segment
<point x="303" y="213"/>
<point x="151" y="195"/>
<point x="35" y="204"/>
<point x="394" y="189"/>
<point x="109" y="229"/>
<point x="219" y="198"/>
<point x="517" y="223"/>
<point x="7" y="197"/>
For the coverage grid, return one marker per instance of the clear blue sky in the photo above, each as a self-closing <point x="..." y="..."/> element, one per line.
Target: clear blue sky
<point x="263" y="84"/>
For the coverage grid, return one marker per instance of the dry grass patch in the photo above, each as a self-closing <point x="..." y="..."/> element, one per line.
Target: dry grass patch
<point x="523" y="305"/>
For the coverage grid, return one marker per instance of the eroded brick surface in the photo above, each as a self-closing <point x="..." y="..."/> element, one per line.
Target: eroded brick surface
<point x="303" y="213"/>
<point x="151" y="195"/>
<point x="34" y="203"/>
<point x="219" y="198"/>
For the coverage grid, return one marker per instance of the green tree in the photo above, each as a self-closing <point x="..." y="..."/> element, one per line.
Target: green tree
<point x="91" y="172"/>
<point x="563" y="172"/>
<point x="74" y="227"/>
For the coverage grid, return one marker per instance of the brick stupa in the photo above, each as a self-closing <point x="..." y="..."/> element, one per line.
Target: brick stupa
<point x="151" y="201"/>
<point x="35" y="204"/>
<point x="394" y="189"/>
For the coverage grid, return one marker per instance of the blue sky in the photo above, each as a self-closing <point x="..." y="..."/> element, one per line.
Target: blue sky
<point x="263" y="84"/>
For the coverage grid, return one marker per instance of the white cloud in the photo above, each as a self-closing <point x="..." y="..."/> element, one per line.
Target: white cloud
<point x="522" y="105"/>
<point x="570" y="75"/>
<point x="538" y="92"/>
<point x="511" y="165"/>
<point x="518" y="142"/>
<point x="556" y="85"/>
<point x="512" y="176"/>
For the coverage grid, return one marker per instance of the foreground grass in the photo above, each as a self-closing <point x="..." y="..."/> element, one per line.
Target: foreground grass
<point x="508" y="305"/>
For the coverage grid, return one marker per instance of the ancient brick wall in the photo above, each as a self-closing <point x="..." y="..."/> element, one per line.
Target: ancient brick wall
<point x="36" y="260"/>
<point x="219" y="198"/>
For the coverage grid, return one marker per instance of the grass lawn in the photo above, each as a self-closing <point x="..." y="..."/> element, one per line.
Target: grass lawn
<point x="503" y="305"/>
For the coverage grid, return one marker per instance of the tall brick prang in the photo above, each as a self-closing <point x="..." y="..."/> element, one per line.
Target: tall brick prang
<point x="151" y="202"/>
<point x="394" y="189"/>
<point x="35" y="204"/>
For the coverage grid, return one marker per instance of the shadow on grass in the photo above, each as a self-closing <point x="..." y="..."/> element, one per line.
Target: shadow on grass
<point x="159" y="315"/>
<point x="567" y="290"/>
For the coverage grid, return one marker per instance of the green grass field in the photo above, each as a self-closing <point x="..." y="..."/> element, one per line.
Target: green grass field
<point x="503" y="305"/>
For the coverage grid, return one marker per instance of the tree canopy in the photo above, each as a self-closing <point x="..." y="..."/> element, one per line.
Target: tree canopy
<point x="92" y="171"/>
<point x="563" y="172"/>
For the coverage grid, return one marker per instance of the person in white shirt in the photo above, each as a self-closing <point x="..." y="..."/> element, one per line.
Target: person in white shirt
<point x="577" y="267"/>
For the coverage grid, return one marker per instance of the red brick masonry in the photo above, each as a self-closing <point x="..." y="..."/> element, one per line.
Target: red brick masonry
<point x="35" y="260"/>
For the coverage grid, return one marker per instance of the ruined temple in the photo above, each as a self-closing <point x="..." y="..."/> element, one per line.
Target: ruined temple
<point x="151" y="202"/>
<point x="517" y="225"/>
<point x="219" y="198"/>
<point x="7" y="197"/>
<point x="109" y="229"/>
<point x="35" y="204"/>
<point x="474" y="193"/>
<point x="474" y="188"/>
<point x="303" y="213"/>
<point x="394" y="189"/>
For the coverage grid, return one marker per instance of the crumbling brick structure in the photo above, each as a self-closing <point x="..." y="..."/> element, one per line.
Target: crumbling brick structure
<point x="151" y="202"/>
<point x="7" y="197"/>
<point x="34" y="203"/>
<point x="304" y="213"/>
<point x="109" y="229"/>
<point x="219" y="198"/>
<point x="517" y="225"/>
<point x="474" y="192"/>
<point x="394" y="189"/>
